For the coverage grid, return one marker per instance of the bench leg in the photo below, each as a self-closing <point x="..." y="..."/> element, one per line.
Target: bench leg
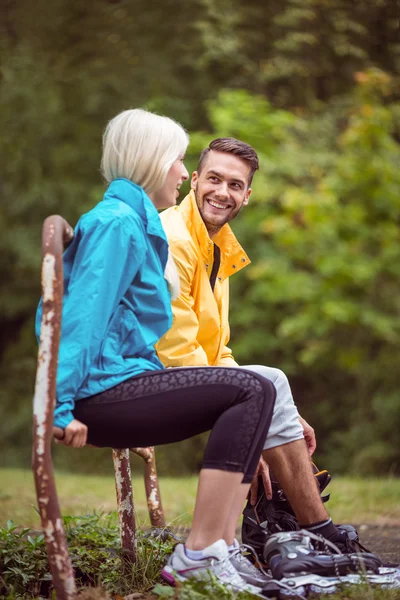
<point x="55" y="229"/>
<point x="151" y="485"/>
<point x="126" y="512"/>
<point x="53" y="528"/>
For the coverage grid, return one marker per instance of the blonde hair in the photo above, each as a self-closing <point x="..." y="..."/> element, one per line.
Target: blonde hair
<point x="142" y="147"/>
<point x="172" y="276"/>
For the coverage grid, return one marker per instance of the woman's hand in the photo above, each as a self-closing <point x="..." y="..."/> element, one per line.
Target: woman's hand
<point x="75" y="434"/>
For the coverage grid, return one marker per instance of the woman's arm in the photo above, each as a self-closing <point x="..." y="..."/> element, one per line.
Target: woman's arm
<point x="108" y="254"/>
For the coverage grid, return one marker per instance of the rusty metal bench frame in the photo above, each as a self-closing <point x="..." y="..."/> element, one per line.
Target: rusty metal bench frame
<point x="57" y="234"/>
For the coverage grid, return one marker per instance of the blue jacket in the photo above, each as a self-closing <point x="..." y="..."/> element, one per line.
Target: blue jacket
<point x="116" y="301"/>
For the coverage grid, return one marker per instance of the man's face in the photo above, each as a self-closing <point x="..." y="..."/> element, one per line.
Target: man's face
<point x="221" y="189"/>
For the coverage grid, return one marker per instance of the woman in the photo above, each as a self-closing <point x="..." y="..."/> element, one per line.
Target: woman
<point x="111" y="388"/>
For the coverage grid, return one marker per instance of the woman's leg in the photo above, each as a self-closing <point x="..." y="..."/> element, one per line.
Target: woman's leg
<point x="171" y="405"/>
<point x="216" y="492"/>
<point x="285" y="428"/>
<point x="233" y="516"/>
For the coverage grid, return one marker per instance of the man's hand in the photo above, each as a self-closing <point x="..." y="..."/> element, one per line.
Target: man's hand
<point x="263" y="470"/>
<point x="75" y="434"/>
<point x="309" y="436"/>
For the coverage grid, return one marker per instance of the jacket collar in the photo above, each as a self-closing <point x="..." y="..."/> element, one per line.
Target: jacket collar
<point x="233" y="257"/>
<point x="134" y="196"/>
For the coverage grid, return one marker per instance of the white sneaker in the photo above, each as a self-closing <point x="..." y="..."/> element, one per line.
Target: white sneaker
<point x="245" y="567"/>
<point x="216" y="562"/>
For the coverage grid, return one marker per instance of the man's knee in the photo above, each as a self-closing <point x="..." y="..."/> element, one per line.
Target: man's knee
<point x="276" y="376"/>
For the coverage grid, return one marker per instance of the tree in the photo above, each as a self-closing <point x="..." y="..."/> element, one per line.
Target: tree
<point x="67" y="67"/>
<point x="298" y="52"/>
<point x="321" y="298"/>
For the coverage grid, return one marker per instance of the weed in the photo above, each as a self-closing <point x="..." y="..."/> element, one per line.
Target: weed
<point x="96" y="555"/>
<point x="200" y="590"/>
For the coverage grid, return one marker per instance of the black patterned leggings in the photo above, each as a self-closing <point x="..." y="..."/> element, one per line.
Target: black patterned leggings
<point x="160" y="407"/>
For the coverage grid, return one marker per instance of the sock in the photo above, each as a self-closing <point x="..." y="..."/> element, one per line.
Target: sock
<point x="233" y="546"/>
<point x="324" y="528"/>
<point x="194" y="554"/>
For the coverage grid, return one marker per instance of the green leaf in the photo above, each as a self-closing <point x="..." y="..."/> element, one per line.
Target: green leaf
<point x="165" y="591"/>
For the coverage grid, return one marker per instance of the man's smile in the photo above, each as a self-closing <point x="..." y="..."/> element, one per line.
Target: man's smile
<point x="216" y="204"/>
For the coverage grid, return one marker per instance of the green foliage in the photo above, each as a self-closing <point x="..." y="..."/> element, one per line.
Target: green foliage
<point x="199" y="590"/>
<point x="67" y="67"/>
<point x="94" y="547"/>
<point x="95" y="551"/>
<point x="23" y="562"/>
<point x="321" y="298"/>
<point x="301" y="52"/>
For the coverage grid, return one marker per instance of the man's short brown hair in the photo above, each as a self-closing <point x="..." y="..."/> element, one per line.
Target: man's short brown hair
<point x="232" y="146"/>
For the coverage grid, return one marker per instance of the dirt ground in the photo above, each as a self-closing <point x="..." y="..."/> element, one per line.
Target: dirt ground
<point x="382" y="540"/>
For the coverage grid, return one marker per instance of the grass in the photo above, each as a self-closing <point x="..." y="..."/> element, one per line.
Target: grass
<point x="372" y="501"/>
<point x="83" y="494"/>
<point x="95" y="551"/>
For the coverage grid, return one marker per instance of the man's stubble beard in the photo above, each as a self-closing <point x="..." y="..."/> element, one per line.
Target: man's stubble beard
<point x="214" y="228"/>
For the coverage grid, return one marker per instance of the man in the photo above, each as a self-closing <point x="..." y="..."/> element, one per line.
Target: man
<point x="207" y="253"/>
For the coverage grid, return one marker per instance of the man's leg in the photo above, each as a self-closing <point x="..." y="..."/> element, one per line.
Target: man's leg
<point x="291" y="464"/>
<point x="292" y="467"/>
<point x="286" y="453"/>
<point x="285" y="425"/>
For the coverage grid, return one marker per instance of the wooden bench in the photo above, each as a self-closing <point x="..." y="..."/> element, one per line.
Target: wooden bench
<point x="56" y="235"/>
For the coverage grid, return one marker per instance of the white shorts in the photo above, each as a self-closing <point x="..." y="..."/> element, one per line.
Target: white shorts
<point x="285" y="425"/>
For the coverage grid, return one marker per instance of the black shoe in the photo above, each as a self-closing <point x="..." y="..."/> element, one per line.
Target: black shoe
<point x="347" y="540"/>
<point x="295" y="553"/>
<point x="267" y="517"/>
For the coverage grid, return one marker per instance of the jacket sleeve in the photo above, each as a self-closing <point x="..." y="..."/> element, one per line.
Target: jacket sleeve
<point x="227" y="359"/>
<point x="179" y="346"/>
<point x="107" y="258"/>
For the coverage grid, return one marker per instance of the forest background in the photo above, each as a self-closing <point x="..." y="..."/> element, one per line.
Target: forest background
<point x="314" y="85"/>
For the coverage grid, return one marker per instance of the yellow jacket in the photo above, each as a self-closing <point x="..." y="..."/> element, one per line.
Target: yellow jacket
<point x="200" y="330"/>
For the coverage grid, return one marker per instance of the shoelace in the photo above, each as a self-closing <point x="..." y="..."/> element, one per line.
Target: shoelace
<point x="329" y="546"/>
<point x="225" y="563"/>
<point x="318" y="538"/>
<point x="246" y="548"/>
<point x="351" y="543"/>
<point x="280" y="584"/>
<point x="321" y="540"/>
